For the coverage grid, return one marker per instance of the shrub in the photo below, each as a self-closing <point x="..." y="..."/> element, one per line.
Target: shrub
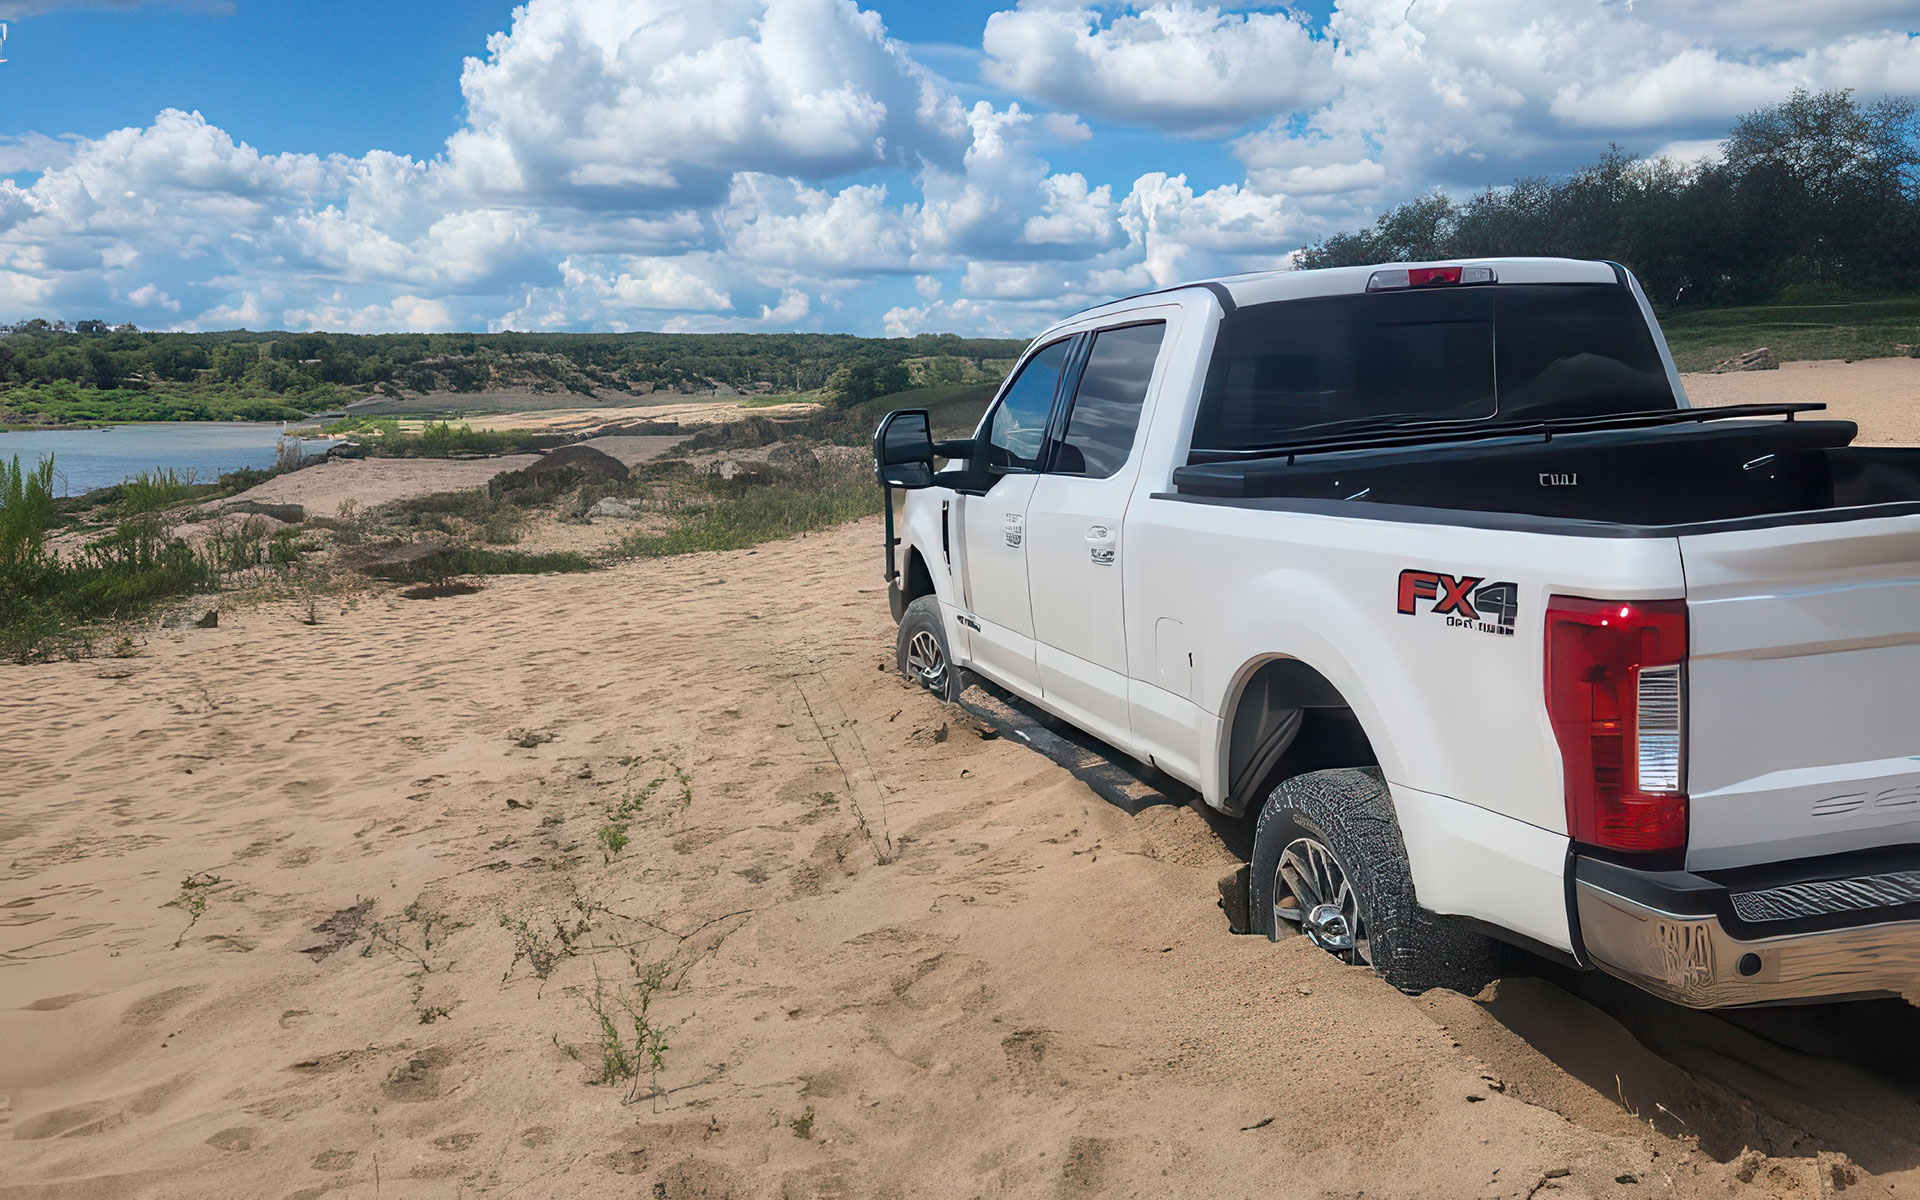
<point x="445" y="564"/>
<point x="735" y="514"/>
<point x="27" y="510"/>
<point x="496" y="518"/>
<point x="154" y="491"/>
<point x="383" y="438"/>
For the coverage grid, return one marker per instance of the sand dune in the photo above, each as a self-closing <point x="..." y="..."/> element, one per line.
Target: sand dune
<point x="886" y="955"/>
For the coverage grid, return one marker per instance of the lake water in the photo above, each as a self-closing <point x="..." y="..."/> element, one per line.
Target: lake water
<point x="84" y="459"/>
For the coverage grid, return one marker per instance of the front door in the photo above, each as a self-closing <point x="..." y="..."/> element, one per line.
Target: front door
<point x="993" y="525"/>
<point x="1074" y="534"/>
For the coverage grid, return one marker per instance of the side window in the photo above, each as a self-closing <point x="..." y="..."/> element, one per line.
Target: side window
<point x="1106" y="406"/>
<point x="1019" y="427"/>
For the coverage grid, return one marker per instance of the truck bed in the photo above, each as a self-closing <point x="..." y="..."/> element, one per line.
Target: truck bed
<point x="1659" y="477"/>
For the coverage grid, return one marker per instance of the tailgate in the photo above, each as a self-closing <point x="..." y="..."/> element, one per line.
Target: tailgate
<point x="1804" y="690"/>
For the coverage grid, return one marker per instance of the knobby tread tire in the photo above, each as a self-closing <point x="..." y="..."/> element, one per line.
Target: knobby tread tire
<point x="1350" y="810"/>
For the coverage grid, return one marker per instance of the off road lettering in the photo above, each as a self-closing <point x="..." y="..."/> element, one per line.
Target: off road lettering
<point x="1461" y="599"/>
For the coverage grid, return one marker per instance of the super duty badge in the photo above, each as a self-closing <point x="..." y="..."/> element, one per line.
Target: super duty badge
<point x="1466" y="601"/>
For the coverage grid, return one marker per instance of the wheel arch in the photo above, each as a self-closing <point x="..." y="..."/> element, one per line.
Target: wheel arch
<point x="1283" y="717"/>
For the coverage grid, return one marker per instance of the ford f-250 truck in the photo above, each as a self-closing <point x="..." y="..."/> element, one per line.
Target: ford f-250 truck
<point x="1434" y="568"/>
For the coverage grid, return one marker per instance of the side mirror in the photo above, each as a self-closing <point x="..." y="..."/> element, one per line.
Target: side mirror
<point x="903" y="449"/>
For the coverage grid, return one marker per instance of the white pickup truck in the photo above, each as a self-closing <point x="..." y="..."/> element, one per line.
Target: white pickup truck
<point x="1434" y="568"/>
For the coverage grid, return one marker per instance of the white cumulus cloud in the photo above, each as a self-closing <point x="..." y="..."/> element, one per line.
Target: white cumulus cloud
<point x="1177" y="66"/>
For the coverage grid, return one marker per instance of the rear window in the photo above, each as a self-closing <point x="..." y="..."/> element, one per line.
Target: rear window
<point x="1506" y="353"/>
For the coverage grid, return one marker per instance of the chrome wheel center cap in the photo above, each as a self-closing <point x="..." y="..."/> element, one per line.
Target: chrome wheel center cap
<point x="1328" y="927"/>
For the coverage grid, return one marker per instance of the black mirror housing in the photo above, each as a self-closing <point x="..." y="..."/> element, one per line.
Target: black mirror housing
<point x="908" y="476"/>
<point x="903" y="449"/>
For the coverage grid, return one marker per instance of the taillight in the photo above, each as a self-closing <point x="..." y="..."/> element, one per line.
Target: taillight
<point x="1614" y="672"/>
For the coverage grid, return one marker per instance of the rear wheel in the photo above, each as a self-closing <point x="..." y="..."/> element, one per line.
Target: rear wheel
<point x="921" y="649"/>
<point x="1328" y="860"/>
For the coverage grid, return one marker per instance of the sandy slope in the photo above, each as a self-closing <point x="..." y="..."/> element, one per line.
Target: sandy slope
<point x="937" y="955"/>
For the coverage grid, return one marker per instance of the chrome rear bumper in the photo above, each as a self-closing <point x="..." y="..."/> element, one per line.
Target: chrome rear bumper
<point x="1677" y="944"/>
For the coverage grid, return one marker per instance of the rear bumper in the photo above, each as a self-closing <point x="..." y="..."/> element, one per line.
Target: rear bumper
<point x="1681" y="937"/>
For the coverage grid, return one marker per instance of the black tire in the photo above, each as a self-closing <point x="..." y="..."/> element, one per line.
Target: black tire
<point x="1350" y="813"/>
<point x="922" y="619"/>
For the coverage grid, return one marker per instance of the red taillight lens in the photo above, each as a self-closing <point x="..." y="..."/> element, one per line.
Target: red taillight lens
<point x="1424" y="276"/>
<point x="1596" y="651"/>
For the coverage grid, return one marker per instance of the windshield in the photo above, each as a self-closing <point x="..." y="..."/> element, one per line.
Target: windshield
<point x="1506" y="353"/>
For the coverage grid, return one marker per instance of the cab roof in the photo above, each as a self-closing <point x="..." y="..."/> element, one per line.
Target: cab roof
<point x="1262" y="287"/>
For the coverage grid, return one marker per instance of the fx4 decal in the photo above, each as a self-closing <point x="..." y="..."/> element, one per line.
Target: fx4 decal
<point x="1466" y="601"/>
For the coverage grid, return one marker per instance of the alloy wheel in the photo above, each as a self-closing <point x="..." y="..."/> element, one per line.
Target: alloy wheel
<point x="926" y="660"/>
<point x="1311" y="890"/>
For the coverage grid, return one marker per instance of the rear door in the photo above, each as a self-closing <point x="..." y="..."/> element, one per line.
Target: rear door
<point x="994" y="525"/>
<point x="1804" y="690"/>
<point x="1074" y="532"/>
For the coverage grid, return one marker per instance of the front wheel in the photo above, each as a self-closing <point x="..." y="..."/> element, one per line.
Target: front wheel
<point x="921" y="649"/>
<point x="1329" y="861"/>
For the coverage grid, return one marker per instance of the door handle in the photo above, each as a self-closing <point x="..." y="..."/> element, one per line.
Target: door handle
<point x="1100" y="546"/>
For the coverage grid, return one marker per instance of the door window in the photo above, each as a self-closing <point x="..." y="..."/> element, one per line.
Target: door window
<point x="1019" y="428"/>
<point x="1106" y="406"/>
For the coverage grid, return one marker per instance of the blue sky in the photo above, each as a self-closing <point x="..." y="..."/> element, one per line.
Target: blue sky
<point x="814" y="164"/>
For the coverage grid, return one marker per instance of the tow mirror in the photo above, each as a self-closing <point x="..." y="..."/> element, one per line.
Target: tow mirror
<point x="903" y="449"/>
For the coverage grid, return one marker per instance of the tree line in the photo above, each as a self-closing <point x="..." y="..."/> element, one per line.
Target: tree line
<point x="1814" y="198"/>
<point x="299" y="366"/>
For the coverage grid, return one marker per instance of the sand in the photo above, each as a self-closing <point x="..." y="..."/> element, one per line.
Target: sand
<point x="685" y="412"/>
<point x="892" y="956"/>
<point x="367" y="482"/>
<point x="1881" y="394"/>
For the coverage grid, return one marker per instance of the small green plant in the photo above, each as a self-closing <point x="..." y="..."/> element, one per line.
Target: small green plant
<point x="237" y="545"/>
<point x="430" y="925"/>
<point x="612" y="838"/>
<point x="192" y="900"/>
<point x="544" y="940"/>
<point x="283" y="548"/>
<point x="633" y="801"/>
<point x="802" y="1125"/>
<point x="632" y="1042"/>
<point x="428" y="1013"/>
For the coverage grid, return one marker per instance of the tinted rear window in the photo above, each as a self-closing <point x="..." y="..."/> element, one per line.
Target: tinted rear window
<point x="1508" y="352"/>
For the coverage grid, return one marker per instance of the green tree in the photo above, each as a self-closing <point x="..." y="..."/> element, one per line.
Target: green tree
<point x="867" y="377"/>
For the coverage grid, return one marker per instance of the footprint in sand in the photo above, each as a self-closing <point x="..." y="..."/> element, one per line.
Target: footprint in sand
<point x="420" y="1077"/>
<point x="239" y="1138"/>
